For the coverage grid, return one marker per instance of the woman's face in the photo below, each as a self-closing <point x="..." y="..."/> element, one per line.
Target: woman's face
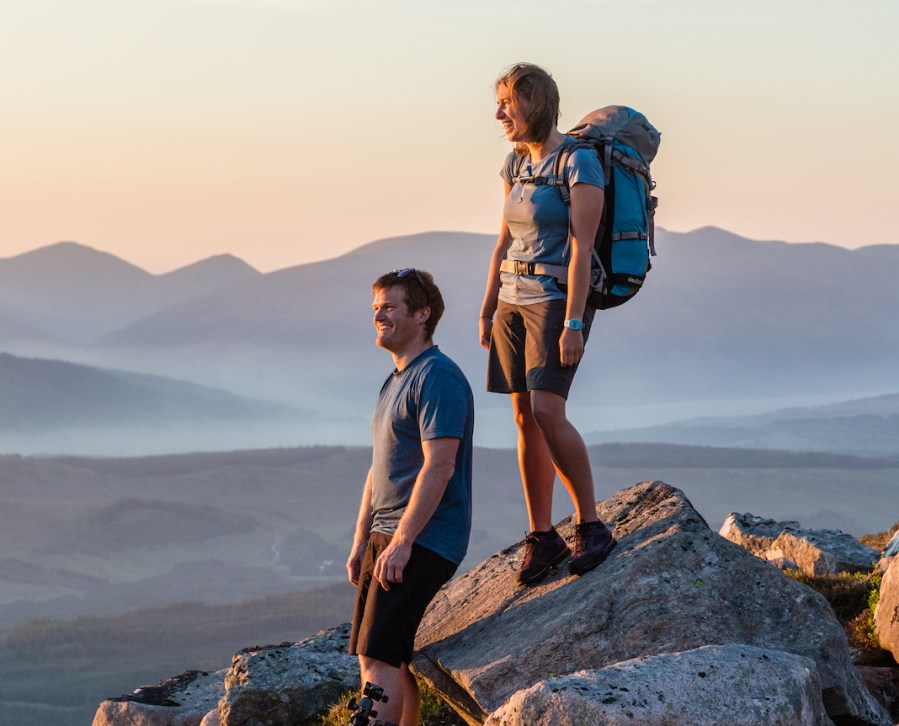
<point x="510" y="115"/>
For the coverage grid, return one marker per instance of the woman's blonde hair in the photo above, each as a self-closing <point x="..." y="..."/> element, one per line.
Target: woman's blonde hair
<point x="535" y="93"/>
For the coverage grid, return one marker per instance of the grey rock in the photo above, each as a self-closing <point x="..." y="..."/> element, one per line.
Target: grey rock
<point x="180" y="701"/>
<point x="886" y="616"/>
<point x="892" y="548"/>
<point x="726" y="685"/>
<point x="752" y="533"/>
<point x="287" y="683"/>
<point x="884" y="686"/>
<point x="671" y="585"/>
<point x="815" y="551"/>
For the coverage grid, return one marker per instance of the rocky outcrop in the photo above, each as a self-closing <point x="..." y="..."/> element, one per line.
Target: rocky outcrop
<point x="288" y="683"/>
<point x="886" y="616"/>
<point x="715" y="685"/>
<point x="786" y="544"/>
<point x="274" y="685"/>
<point x="678" y="626"/>
<point x="671" y="586"/>
<point x="180" y="701"/>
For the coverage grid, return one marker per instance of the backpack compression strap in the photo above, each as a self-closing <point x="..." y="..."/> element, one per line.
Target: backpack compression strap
<point x="609" y="154"/>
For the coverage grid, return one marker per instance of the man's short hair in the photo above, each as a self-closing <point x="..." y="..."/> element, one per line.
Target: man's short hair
<point x="419" y="291"/>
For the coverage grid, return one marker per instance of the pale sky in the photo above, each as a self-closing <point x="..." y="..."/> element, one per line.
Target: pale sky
<point x="287" y="131"/>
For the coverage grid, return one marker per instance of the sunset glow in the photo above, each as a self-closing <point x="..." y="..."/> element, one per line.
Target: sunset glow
<point x="164" y="131"/>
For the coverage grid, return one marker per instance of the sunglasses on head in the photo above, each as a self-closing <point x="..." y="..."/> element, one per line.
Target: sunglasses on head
<point x="407" y="270"/>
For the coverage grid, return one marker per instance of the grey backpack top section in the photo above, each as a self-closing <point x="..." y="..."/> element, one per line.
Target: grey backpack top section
<point x="622" y="124"/>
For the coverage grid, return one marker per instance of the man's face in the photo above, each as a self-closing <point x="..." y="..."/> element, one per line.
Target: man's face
<point x="396" y="327"/>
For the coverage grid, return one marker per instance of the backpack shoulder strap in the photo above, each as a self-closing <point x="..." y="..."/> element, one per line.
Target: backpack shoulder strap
<point x="560" y="168"/>
<point x="517" y="164"/>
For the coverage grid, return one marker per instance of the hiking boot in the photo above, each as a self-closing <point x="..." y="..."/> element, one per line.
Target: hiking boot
<point x="543" y="551"/>
<point x="592" y="543"/>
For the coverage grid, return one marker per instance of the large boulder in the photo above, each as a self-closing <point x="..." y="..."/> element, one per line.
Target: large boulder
<point x="276" y="684"/>
<point x="726" y="685"/>
<point x="180" y="701"/>
<point x="886" y="616"/>
<point x="671" y="585"/>
<point x="288" y="683"/>
<point x="814" y="551"/>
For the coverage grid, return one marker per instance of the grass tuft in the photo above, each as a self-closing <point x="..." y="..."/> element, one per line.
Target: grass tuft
<point x="853" y="597"/>
<point x="880" y="540"/>
<point x="434" y="711"/>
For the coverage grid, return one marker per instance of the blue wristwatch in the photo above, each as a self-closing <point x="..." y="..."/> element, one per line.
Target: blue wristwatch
<point x="574" y="324"/>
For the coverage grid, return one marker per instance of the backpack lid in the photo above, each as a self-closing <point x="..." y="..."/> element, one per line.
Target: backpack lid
<point x="622" y="124"/>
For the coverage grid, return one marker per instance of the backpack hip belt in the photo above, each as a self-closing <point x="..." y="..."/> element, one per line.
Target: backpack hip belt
<point x="532" y="269"/>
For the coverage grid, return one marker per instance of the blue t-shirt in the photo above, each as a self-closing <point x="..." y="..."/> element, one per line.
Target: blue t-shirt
<point x="429" y="399"/>
<point x="538" y="222"/>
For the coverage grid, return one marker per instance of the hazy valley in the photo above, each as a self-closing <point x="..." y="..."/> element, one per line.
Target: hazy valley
<point x="725" y="327"/>
<point x="84" y="536"/>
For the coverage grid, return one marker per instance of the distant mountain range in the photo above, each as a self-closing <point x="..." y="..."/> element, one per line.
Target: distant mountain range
<point x="38" y="393"/>
<point x="51" y="406"/>
<point x="74" y="293"/>
<point x="722" y="320"/>
<point x="865" y="427"/>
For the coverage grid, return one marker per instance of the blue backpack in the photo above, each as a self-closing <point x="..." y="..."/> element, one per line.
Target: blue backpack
<point x="626" y="144"/>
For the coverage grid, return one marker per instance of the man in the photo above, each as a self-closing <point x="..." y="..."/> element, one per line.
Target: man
<point x="415" y="516"/>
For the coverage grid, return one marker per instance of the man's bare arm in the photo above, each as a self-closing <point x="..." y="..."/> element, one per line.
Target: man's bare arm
<point x="439" y="465"/>
<point x="363" y="529"/>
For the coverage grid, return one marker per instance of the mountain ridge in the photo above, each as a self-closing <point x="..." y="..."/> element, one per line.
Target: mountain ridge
<point x="73" y="292"/>
<point x="77" y="389"/>
<point x="866" y="426"/>
<point x="717" y="309"/>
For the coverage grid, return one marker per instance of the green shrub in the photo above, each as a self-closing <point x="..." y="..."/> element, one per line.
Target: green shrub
<point x="853" y="597"/>
<point x="849" y="594"/>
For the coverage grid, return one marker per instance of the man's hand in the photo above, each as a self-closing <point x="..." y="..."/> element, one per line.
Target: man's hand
<point x="360" y="540"/>
<point x="390" y="564"/>
<point x="354" y="562"/>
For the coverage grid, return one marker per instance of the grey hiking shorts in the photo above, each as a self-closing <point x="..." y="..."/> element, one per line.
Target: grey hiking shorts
<point x="524" y="348"/>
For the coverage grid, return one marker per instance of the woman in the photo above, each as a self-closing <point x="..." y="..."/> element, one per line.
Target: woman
<point x="534" y="332"/>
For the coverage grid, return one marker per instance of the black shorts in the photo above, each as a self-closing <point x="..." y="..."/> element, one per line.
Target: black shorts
<point x="385" y="621"/>
<point x="524" y="348"/>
